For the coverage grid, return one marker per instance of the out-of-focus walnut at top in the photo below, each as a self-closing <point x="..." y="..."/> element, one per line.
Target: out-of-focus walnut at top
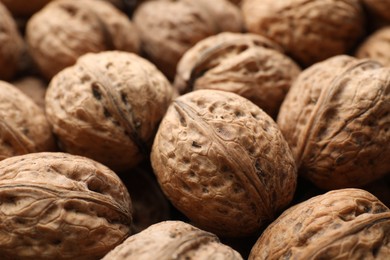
<point x="377" y="46"/>
<point x="24" y="8"/>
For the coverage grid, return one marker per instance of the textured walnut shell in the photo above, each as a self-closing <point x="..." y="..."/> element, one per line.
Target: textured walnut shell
<point x="172" y="240"/>
<point x="377" y="46"/>
<point x="107" y="107"/>
<point x="223" y="162"/>
<point x="340" y="224"/>
<point x="65" y="30"/>
<point x="245" y="64"/>
<point x="23" y="7"/>
<point x="60" y="206"/>
<point x="336" y="119"/>
<point x="169" y="28"/>
<point x="23" y="125"/>
<point x="309" y="30"/>
<point x="33" y="87"/>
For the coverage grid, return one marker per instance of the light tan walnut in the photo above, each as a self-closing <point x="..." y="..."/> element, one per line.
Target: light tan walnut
<point x="376" y="46"/>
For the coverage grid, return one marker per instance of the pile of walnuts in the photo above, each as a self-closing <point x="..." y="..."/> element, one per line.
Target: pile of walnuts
<point x="183" y="129"/>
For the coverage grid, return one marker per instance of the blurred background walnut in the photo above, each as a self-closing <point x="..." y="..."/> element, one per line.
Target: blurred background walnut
<point x="24" y="8"/>
<point x="376" y="46"/>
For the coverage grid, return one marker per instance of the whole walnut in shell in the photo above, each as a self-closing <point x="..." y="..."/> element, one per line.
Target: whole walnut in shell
<point x="223" y="162"/>
<point x="340" y="224"/>
<point x="376" y="46"/>
<point x="65" y="30"/>
<point x="246" y="64"/>
<point x="107" y="107"/>
<point x="23" y="125"/>
<point x="23" y="7"/>
<point x="169" y="28"/>
<point x="173" y="240"/>
<point x="60" y="206"/>
<point x="336" y="119"/>
<point x="309" y="30"/>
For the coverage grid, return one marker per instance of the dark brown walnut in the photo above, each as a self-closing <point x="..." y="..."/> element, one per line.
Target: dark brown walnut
<point x="33" y="87"/>
<point x="23" y="7"/>
<point x="376" y="46"/>
<point x="340" y="224"/>
<point x="23" y="125"/>
<point x="11" y="45"/>
<point x="107" y="107"/>
<point x="378" y="9"/>
<point x="173" y="240"/>
<point x="309" y="30"/>
<point x="65" y="30"/>
<point x="223" y="162"/>
<point x="169" y="28"/>
<point x="336" y="119"/>
<point x="246" y="64"/>
<point x="60" y="206"/>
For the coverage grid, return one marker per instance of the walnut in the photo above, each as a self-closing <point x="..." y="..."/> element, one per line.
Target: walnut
<point x="309" y="30"/>
<point x="23" y="7"/>
<point x="169" y="28"/>
<point x="223" y="162"/>
<point x="23" y="125"/>
<point x="377" y="47"/>
<point x="341" y="224"/>
<point x="246" y="64"/>
<point x="60" y="206"/>
<point x="379" y="9"/>
<point x="336" y="119"/>
<point x="173" y="240"/>
<point x="65" y="29"/>
<point x="33" y="87"/>
<point x="11" y="45"/>
<point x="107" y="107"/>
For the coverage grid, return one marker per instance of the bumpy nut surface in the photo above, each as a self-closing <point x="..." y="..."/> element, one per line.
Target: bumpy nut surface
<point x="336" y="119"/>
<point x="309" y="30"/>
<point x="246" y="64"/>
<point x="165" y="37"/>
<point x="172" y="240"/>
<point x="223" y="162"/>
<point x="60" y="206"/>
<point x="377" y="46"/>
<point x="107" y="107"/>
<point x="340" y="224"/>
<point x="33" y="87"/>
<point x="23" y="125"/>
<point x="65" y="30"/>
<point x="24" y="8"/>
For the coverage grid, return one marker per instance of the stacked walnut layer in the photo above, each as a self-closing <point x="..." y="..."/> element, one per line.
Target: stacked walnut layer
<point x="179" y="129"/>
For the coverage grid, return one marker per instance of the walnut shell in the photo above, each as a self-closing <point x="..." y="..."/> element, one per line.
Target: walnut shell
<point x="340" y="224"/>
<point x="107" y="107"/>
<point x="60" y="206"/>
<point x="23" y="7"/>
<point x="173" y="240"/>
<point x="223" y="162"/>
<point x="376" y="46"/>
<point x="23" y="125"/>
<point x="309" y="30"/>
<point x="65" y="30"/>
<point x="245" y="64"/>
<point x="336" y="119"/>
<point x="166" y="37"/>
<point x="33" y="87"/>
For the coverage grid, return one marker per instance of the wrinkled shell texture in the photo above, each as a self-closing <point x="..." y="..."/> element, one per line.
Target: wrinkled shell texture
<point x="309" y="30"/>
<point x="377" y="47"/>
<point x="173" y="240"/>
<point x="336" y="119"/>
<point x="378" y="8"/>
<point x="341" y="224"/>
<point x="245" y="64"/>
<point x="107" y="107"/>
<point x="65" y="30"/>
<point x="60" y="206"/>
<point x="11" y="45"/>
<point x="166" y="37"/>
<point x="223" y="162"/>
<point x="23" y="7"/>
<point x="33" y="87"/>
<point x="23" y="125"/>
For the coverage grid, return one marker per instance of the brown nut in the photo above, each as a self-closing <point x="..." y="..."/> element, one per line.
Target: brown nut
<point x="66" y="29"/>
<point x="340" y="224"/>
<point x="33" y="87"/>
<point x="378" y="8"/>
<point x="309" y="30"/>
<point x="23" y="125"/>
<point x="60" y="206"/>
<point x="336" y="119"/>
<point x="23" y="7"/>
<point x="377" y="46"/>
<point x="169" y="28"/>
<point x="107" y="107"/>
<point x="223" y="162"/>
<point x="246" y="64"/>
<point x="173" y="240"/>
